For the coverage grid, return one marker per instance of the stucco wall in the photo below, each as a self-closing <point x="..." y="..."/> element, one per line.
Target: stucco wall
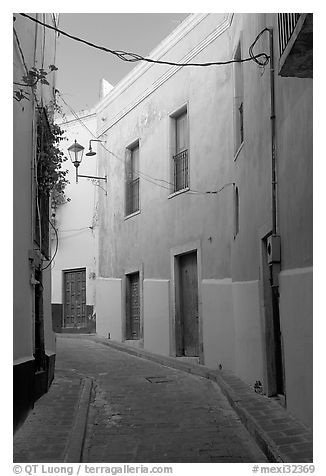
<point x="22" y="234"/>
<point x="23" y="188"/>
<point x="186" y="217"/>
<point x="252" y="174"/>
<point x="140" y="109"/>
<point x="295" y="171"/>
<point x="157" y="316"/>
<point x="218" y="324"/>
<point x="76" y="219"/>
<point x="248" y="345"/>
<point x="296" y="303"/>
<point x="108" y="308"/>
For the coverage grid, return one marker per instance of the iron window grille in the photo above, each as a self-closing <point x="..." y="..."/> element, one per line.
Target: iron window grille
<point x="181" y="171"/>
<point x="286" y="25"/>
<point x="132" y="196"/>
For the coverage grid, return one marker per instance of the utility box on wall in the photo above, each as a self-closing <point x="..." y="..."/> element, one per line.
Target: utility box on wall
<point x="274" y="249"/>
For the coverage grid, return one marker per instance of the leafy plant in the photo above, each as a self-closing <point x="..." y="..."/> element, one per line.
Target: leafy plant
<point x="51" y="178"/>
<point x="31" y="79"/>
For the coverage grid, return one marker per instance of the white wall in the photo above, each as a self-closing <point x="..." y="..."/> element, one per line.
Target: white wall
<point x="36" y="54"/>
<point x="156" y="316"/>
<point x="296" y="304"/>
<point x="218" y="323"/>
<point x="77" y="241"/>
<point x="248" y="346"/>
<point x="108" y="308"/>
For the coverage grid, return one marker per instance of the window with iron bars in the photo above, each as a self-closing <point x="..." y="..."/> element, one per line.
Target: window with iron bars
<point x="132" y="180"/>
<point x="180" y="158"/>
<point x="286" y="25"/>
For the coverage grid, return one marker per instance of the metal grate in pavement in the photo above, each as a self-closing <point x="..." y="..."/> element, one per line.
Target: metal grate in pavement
<point x="158" y="379"/>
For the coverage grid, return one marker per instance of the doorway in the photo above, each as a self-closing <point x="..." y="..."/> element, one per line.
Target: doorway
<point x="187" y="315"/>
<point x="132" y="307"/>
<point x="272" y="325"/>
<point x="74" y="298"/>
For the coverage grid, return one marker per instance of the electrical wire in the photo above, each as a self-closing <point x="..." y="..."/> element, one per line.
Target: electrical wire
<point x="121" y="54"/>
<point x="25" y="66"/>
<point x="78" y="229"/>
<point x="43" y="45"/>
<point x="251" y="48"/>
<point x="34" y="155"/>
<point x="143" y="175"/>
<point x="133" y="57"/>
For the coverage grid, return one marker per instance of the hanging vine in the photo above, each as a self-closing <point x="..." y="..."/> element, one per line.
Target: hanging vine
<point x="51" y="177"/>
<point x="31" y="79"/>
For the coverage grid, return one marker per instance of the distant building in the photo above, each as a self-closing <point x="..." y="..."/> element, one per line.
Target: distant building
<point x="76" y="218"/>
<point x="33" y="338"/>
<point x="205" y="237"/>
<point x="74" y="266"/>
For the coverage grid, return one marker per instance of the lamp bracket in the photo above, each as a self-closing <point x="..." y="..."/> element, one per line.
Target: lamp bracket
<point x="93" y="177"/>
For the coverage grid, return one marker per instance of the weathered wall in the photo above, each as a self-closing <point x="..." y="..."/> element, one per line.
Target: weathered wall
<point x="252" y="174"/>
<point x="23" y="151"/>
<point x="31" y="48"/>
<point x="166" y="220"/>
<point x="232" y="301"/>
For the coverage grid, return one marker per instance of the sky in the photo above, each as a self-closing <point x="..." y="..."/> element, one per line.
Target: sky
<point x="80" y="67"/>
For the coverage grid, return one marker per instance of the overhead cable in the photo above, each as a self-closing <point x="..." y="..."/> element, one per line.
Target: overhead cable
<point x="143" y="175"/>
<point x="261" y="59"/>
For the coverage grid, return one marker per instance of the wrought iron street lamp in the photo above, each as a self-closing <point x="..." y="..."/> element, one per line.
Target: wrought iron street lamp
<point x="76" y="155"/>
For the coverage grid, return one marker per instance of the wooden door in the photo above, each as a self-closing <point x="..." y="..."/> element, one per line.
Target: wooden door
<point x="133" y="307"/>
<point x="188" y="305"/>
<point x="273" y="337"/>
<point x="75" y="298"/>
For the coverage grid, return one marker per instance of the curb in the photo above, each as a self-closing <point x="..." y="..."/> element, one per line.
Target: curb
<point x="74" y="447"/>
<point x="237" y="400"/>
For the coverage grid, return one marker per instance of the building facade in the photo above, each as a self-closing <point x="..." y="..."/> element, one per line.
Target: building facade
<point x="205" y="236"/>
<point x="74" y="267"/>
<point x="76" y="218"/>
<point x="33" y="338"/>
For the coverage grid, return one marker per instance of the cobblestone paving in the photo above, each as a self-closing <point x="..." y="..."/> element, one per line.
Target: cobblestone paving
<point x="44" y="435"/>
<point x="144" y="412"/>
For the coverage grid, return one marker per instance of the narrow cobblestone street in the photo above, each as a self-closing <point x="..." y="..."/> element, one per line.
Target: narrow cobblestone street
<point x="144" y="412"/>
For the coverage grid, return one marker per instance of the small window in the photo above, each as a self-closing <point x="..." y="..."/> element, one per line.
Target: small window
<point x="236" y="211"/>
<point x="238" y="102"/>
<point x="132" y="306"/>
<point x="180" y="164"/>
<point x="132" y="180"/>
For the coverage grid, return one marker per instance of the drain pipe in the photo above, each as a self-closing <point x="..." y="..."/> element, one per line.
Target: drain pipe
<point x="273" y="241"/>
<point x="272" y="96"/>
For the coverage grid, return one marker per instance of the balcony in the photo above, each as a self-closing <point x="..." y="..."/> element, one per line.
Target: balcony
<point x="295" y="35"/>
<point x="181" y="171"/>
